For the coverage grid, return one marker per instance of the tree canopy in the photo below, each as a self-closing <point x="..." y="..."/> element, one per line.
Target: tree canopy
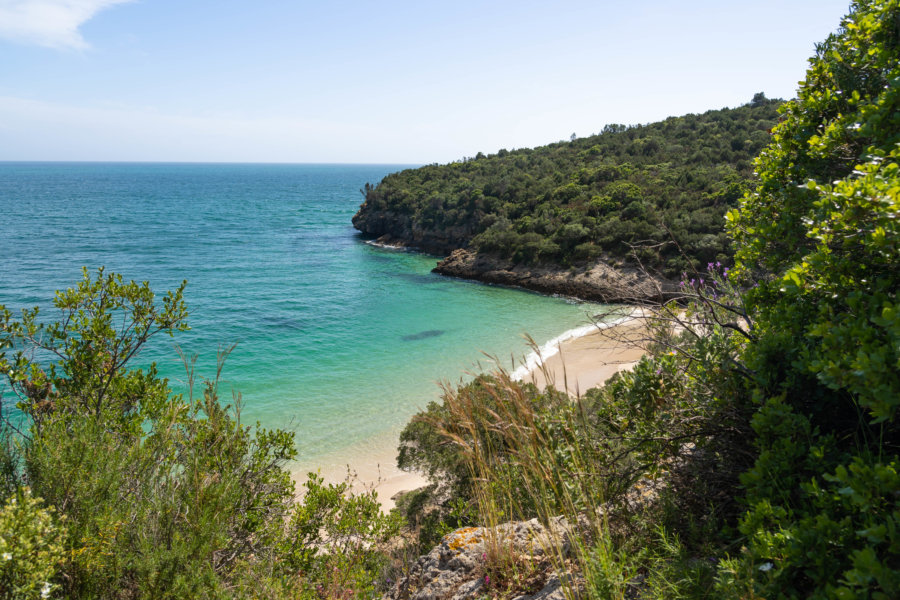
<point x="820" y="236"/>
<point x="664" y="186"/>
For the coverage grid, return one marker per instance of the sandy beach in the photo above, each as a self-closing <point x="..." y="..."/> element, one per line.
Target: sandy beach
<point x="387" y="485"/>
<point x="367" y="465"/>
<point x="584" y="358"/>
<point x="586" y="361"/>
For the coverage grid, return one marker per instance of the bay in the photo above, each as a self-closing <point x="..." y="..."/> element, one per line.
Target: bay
<point x="337" y="339"/>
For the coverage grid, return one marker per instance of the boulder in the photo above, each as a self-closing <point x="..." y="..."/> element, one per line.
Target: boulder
<point x="459" y="567"/>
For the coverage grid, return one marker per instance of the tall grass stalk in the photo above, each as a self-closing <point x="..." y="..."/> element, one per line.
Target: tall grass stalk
<point x="587" y="469"/>
<point x="527" y="462"/>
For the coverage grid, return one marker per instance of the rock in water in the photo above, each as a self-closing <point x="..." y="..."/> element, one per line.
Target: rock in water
<point x="597" y="281"/>
<point x="422" y="335"/>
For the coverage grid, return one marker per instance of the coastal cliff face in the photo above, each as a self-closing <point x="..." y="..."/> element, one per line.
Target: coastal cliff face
<point x="597" y="281"/>
<point x="394" y="228"/>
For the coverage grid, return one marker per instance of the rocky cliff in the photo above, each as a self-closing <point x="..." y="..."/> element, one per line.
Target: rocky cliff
<point x="596" y="281"/>
<point x="395" y="228"/>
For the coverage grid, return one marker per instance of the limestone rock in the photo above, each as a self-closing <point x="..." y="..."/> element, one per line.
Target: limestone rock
<point x="612" y="282"/>
<point x="456" y="568"/>
<point x="597" y="281"/>
<point x="397" y="229"/>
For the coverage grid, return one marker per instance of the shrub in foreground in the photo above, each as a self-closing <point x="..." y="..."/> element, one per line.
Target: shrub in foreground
<point x="163" y="495"/>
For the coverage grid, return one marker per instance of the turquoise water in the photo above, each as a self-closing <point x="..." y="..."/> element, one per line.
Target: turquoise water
<point x="336" y="339"/>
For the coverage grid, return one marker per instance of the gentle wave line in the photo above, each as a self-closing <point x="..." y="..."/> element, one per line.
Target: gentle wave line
<point x="537" y="357"/>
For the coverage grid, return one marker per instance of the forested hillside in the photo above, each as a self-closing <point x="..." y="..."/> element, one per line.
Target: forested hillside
<point x="594" y="197"/>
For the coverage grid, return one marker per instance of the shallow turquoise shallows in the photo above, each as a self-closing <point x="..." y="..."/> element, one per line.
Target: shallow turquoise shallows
<point x="336" y="339"/>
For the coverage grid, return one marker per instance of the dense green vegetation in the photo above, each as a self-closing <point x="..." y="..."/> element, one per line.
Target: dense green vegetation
<point x="570" y="202"/>
<point x="114" y="487"/>
<point x="823" y="496"/>
<point x="768" y="424"/>
<point x="754" y="453"/>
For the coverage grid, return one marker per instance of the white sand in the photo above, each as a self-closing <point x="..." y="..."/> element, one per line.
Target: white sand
<point x="367" y="465"/>
<point x="587" y="361"/>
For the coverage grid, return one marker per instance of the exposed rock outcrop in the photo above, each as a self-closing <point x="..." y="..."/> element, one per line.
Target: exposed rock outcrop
<point x="541" y="557"/>
<point x="397" y="229"/>
<point x="458" y="568"/>
<point x="596" y="281"/>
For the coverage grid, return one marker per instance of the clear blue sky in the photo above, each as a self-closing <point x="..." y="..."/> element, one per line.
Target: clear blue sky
<point x="384" y="82"/>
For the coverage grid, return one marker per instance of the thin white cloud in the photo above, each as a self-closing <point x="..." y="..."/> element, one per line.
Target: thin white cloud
<point x="51" y="23"/>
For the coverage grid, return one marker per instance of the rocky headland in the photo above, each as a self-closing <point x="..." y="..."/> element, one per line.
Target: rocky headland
<point x="596" y="281"/>
<point x="394" y="228"/>
<point x="614" y="282"/>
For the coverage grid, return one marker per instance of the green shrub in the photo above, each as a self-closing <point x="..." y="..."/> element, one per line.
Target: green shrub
<point x="163" y="495"/>
<point x="32" y="545"/>
<point x="821" y="232"/>
<point x="330" y="538"/>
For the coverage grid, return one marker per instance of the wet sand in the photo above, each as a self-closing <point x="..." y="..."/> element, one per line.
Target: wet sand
<point x="587" y="361"/>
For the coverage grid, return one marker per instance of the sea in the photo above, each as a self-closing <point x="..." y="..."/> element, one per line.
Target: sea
<point x="335" y="339"/>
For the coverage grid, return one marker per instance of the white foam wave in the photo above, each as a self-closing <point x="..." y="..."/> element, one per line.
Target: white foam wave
<point x="384" y="246"/>
<point x="536" y="358"/>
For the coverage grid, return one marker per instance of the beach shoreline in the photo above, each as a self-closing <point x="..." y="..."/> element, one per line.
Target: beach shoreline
<point x="369" y="465"/>
<point x="575" y="361"/>
<point x="589" y="356"/>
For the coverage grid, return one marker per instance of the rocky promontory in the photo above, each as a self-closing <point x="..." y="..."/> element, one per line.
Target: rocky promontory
<point x="613" y="217"/>
<point x="611" y="281"/>
<point x="597" y="281"/>
<point x="600" y="281"/>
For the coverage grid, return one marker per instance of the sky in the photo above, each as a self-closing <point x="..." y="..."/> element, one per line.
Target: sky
<point x="377" y="82"/>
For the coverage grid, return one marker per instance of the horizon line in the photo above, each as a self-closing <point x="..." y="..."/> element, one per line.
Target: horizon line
<point x="206" y="162"/>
